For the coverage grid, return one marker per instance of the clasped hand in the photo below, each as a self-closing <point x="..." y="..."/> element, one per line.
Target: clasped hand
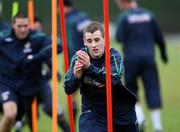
<point x="82" y="62"/>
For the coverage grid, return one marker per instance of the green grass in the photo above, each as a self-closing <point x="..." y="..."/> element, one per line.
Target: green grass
<point x="170" y="87"/>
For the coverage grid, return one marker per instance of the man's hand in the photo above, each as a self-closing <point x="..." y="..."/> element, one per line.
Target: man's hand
<point x="83" y="58"/>
<point x="78" y="69"/>
<point x="29" y="59"/>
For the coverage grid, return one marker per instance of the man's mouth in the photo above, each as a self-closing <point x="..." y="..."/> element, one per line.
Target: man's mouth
<point x="95" y="50"/>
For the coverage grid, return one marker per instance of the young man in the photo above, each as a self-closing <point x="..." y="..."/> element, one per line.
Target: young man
<point x="138" y="31"/>
<point x="44" y="94"/>
<point x="88" y="71"/>
<point x="22" y="52"/>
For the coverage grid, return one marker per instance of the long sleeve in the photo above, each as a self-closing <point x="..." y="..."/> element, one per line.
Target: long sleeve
<point x="45" y="53"/>
<point x="121" y="33"/>
<point x="71" y="83"/>
<point x="159" y="37"/>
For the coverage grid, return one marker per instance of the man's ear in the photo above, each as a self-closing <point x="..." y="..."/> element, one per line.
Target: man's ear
<point x="103" y="40"/>
<point x="84" y="41"/>
<point x="13" y="25"/>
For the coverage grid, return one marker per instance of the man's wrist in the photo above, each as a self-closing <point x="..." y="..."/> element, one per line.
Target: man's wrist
<point x="87" y="66"/>
<point x="90" y="68"/>
<point x="75" y="77"/>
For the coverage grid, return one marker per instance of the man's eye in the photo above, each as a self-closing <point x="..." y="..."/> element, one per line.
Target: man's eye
<point x="89" y="40"/>
<point x="97" y="39"/>
<point x="25" y="26"/>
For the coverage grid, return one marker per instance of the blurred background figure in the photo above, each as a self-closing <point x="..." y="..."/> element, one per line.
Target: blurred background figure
<point x="44" y="96"/>
<point x="76" y="20"/>
<point x="138" y="31"/>
<point x="38" y="24"/>
<point x="20" y="59"/>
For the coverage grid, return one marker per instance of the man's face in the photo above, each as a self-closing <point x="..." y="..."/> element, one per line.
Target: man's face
<point x="95" y="44"/>
<point x="121" y="4"/>
<point x="38" y="26"/>
<point x="21" y="27"/>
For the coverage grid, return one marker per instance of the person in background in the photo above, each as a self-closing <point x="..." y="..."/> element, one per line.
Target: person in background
<point x="44" y="96"/>
<point x="38" y="24"/>
<point x="139" y="31"/>
<point x="22" y="53"/>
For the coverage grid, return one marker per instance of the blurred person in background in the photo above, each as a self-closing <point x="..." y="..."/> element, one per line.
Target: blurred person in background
<point x="76" y="20"/>
<point x="139" y="31"/>
<point x="22" y="53"/>
<point x="38" y="24"/>
<point x="44" y="96"/>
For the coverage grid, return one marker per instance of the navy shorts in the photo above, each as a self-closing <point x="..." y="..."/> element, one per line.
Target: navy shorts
<point x="93" y="122"/>
<point x="23" y="103"/>
<point x="146" y="69"/>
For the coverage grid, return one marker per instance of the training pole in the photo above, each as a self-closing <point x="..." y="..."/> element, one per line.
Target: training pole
<point x="66" y="65"/>
<point x="54" y="65"/>
<point x="108" y="66"/>
<point x="15" y="8"/>
<point x="34" y="103"/>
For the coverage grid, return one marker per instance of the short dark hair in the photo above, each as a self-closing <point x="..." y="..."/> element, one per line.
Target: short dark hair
<point x="19" y="15"/>
<point x="38" y="19"/>
<point x="68" y="2"/>
<point x="92" y="27"/>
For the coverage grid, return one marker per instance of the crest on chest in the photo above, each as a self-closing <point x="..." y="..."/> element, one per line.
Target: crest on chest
<point x="8" y="39"/>
<point x="27" y="48"/>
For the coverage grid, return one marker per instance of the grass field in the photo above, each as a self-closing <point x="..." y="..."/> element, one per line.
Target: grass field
<point x="170" y="83"/>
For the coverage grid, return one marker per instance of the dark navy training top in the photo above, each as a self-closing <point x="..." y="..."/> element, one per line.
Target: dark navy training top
<point x="139" y="32"/>
<point x="93" y="87"/>
<point x="16" y="71"/>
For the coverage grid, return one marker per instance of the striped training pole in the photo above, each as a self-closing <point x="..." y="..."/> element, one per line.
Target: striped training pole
<point x="34" y="104"/>
<point x="65" y="50"/>
<point x="54" y="65"/>
<point x="108" y="66"/>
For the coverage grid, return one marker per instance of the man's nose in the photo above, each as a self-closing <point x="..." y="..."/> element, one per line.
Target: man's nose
<point x="23" y="29"/>
<point x="93" y="44"/>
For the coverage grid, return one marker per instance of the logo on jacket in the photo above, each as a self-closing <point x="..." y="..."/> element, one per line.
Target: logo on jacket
<point x="8" y="39"/>
<point x="27" y="48"/>
<point x="5" y="95"/>
<point x="139" y="18"/>
<point x="90" y="81"/>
